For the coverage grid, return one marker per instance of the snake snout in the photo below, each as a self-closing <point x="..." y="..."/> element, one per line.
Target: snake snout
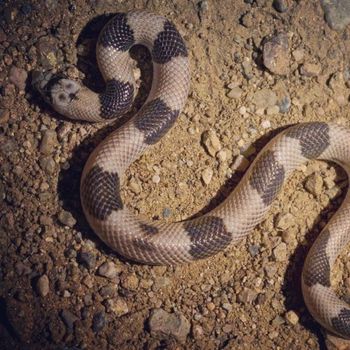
<point x="55" y="88"/>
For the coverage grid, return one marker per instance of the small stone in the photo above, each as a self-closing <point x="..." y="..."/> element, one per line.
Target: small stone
<point x="207" y="175"/>
<point x="156" y="179"/>
<point x="240" y="164"/>
<point x="49" y="142"/>
<point x="227" y="307"/>
<point x="134" y="186"/>
<point x="166" y="213"/>
<point x="66" y="218"/>
<point x="247" y="296"/>
<point x="281" y="5"/>
<point x="47" y="164"/>
<point x="298" y="54"/>
<point x="43" y="286"/>
<point x="222" y="155"/>
<point x="273" y="110"/>
<point x="314" y="184"/>
<point x="292" y="317"/>
<point x="284" y="104"/>
<point x="235" y="93"/>
<point x="108" y="270"/>
<point x="254" y="250"/>
<point x="280" y="252"/>
<point x="264" y="98"/>
<point x="197" y="332"/>
<point x="69" y="319"/>
<point x="337" y="13"/>
<point x="130" y="282"/>
<point x="270" y="270"/>
<point x="284" y="221"/>
<point x="174" y="324"/>
<point x="120" y="307"/>
<point x="242" y="110"/>
<point x="310" y="69"/>
<point x="18" y="77"/>
<point x="4" y="116"/>
<point x="211" y="142"/>
<point x="266" y="124"/>
<point x="276" y="54"/>
<point x="98" y="321"/>
<point x="87" y="259"/>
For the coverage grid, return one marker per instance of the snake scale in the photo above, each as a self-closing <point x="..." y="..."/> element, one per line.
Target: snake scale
<point x="162" y="243"/>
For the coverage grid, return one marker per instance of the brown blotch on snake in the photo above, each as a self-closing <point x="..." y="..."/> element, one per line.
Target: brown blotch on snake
<point x="313" y="137"/>
<point x="168" y="44"/>
<point x="341" y="323"/>
<point x="116" y="99"/>
<point x="267" y="177"/>
<point x="100" y="192"/>
<point x="154" y="120"/>
<point x="320" y="270"/>
<point x="208" y="235"/>
<point x="149" y="229"/>
<point x="117" y="33"/>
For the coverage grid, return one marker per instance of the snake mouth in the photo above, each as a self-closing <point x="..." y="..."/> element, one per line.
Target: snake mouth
<point x="44" y="81"/>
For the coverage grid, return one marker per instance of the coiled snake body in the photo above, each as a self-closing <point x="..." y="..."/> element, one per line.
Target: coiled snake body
<point x="175" y="243"/>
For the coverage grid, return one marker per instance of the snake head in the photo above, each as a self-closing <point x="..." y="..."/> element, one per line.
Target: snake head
<point x="56" y="89"/>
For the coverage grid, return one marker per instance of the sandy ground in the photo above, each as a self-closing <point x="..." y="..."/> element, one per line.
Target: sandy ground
<point x="54" y="294"/>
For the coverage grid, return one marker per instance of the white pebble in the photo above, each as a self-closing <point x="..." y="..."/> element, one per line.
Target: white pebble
<point x="207" y="175"/>
<point x="156" y="179"/>
<point x="266" y="124"/>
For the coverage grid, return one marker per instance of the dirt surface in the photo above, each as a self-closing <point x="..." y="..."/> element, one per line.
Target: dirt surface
<point x="60" y="287"/>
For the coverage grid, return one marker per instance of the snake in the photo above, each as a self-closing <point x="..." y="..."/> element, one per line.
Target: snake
<point x="162" y="243"/>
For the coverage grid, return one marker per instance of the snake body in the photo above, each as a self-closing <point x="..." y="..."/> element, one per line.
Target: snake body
<point x="162" y="243"/>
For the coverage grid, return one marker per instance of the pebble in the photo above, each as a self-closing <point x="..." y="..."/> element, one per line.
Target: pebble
<point x="247" y="296"/>
<point x="298" y="54"/>
<point x="18" y="77"/>
<point x="281" y="5"/>
<point x="87" y="259"/>
<point x="276" y="54"/>
<point x="166" y="213"/>
<point x="284" y="221"/>
<point x="310" y="69"/>
<point x="280" y="252"/>
<point x="254" y="250"/>
<point x="108" y="270"/>
<point x="43" y="286"/>
<point x="211" y="142"/>
<point x="207" y="175"/>
<point x="120" y="307"/>
<point x="47" y="164"/>
<point x="292" y="317"/>
<point x="314" y="184"/>
<point x="49" y="142"/>
<point x="337" y="13"/>
<point x="266" y="124"/>
<point x="273" y="110"/>
<point x="156" y="179"/>
<point x="173" y="324"/>
<point x="66" y="218"/>
<point x="284" y="104"/>
<point x="264" y="98"/>
<point x="98" y="321"/>
<point x="4" y="116"/>
<point x="130" y="282"/>
<point x="235" y="93"/>
<point x="134" y="186"/>
<point x="69" y="319"/>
